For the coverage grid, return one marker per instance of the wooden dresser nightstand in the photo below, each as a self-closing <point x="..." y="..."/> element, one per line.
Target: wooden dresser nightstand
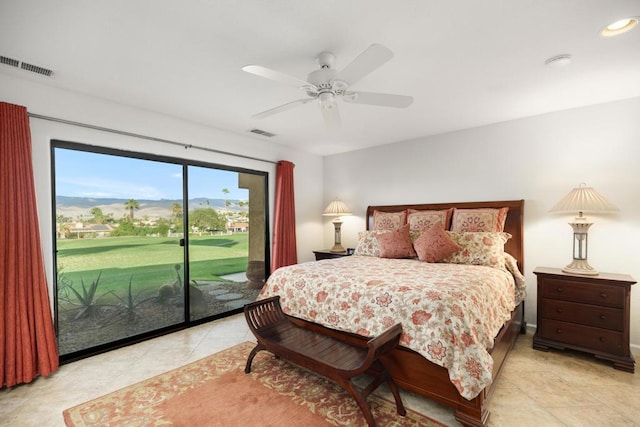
<point x="327" y="254"/>
<point x="586" y="313"/>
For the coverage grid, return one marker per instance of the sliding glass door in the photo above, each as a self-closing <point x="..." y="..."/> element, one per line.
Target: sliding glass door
<point x="146" y="245"/>
<point x="221" y="227"/>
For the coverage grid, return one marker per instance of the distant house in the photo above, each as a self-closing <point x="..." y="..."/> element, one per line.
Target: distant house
<point x="80" y="229"/>
<point x="238" y="227"/>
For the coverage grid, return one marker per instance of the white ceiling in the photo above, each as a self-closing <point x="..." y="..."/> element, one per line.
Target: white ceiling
<point x="467" y="63"/>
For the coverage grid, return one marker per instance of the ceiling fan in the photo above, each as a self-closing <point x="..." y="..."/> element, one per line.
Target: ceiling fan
<point x="327" y="85"/>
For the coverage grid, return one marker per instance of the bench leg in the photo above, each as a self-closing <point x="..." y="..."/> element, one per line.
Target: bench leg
<point x="394" y="389"/>
<point x="396" y="395"/>
<point x="256" y="349"/>
<point x="360" y="396"/>
<point x="360" y="400"/>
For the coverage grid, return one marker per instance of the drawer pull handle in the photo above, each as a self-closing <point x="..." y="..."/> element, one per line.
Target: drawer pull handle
<point x="558" y="310"/>
<point x="558" y="331"/>
<point x="602" y="339"/>
<point x="559" y="290"/>
<point x="603" y="295"/>
<point x="603" y="317"/>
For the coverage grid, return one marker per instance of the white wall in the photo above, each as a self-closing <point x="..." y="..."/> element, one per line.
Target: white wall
<point x="44" y="100"/>
<point x="538" y="159"/>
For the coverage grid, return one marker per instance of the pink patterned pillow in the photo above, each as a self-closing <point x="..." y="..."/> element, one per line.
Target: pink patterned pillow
<point x="482" y="219"/>
<point x="420" y="220"/>
<point x="479" y="248"/>
<point x="435" y="244"/>
<point x="396" y="244"/>
<point x="389" y="220"/>
<point x="368" y="243"/>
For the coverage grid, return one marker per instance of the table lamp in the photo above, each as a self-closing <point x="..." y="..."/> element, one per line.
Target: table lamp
<point x="582" y="199"/>
<point x="337" y="208"/>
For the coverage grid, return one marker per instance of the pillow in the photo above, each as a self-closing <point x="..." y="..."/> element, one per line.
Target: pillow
<point x="396" y="244"/>
<point x="420" y="220"/>
<point x="521" y="286"/>
<point x="368" y="243"/>
<point x="479" y="248"/>
<point x="389" y="220"/>
<point x="482" y="219"/>
<point x="435" y="244"/>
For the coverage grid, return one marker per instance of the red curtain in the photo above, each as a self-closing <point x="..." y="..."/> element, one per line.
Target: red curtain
<point x="27" y="337"/>
<point x="284" y="228"/>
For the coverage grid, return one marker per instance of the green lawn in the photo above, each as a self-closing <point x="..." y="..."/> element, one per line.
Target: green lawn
<point x="149" y="262"/>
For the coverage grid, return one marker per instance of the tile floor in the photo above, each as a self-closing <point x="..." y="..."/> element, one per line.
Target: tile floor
<point x="535" y="388"/>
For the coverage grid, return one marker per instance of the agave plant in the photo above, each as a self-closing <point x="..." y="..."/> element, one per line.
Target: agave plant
<point x="130" y="303"/>
<point x="88" y="299"/>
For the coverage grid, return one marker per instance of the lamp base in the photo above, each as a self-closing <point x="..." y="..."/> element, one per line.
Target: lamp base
<point x="338" y="248"/>
<point x="580" y="266"/>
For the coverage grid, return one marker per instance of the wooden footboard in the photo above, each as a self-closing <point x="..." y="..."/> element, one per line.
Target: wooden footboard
<point x="413" y="372"/>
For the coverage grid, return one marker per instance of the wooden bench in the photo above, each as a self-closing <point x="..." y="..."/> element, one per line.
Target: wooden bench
<point x="327" y="356"/>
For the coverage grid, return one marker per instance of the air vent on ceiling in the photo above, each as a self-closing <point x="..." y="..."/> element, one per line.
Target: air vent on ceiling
<point x="262" y="132"/>
<point x="25" y="66"/>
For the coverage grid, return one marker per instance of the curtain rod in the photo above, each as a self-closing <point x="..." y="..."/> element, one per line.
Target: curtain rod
<point x="151" y="138"/>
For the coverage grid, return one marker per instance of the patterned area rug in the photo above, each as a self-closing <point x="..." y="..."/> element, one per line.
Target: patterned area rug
<point x="215" y="391"/>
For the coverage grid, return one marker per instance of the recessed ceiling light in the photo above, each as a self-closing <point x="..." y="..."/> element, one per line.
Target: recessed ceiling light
<point x="619" y="27"/>
<point x="558" y="61"/>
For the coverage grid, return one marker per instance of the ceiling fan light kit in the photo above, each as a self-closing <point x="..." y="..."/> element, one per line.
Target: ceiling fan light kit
<point x="327" y="85"/>
<point x="327" y="100"/>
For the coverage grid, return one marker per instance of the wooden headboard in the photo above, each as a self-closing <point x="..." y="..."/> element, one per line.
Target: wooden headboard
<point x="513" y="225"/>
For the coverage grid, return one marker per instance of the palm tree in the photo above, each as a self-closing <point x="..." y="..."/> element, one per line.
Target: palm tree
<point x="176" y="210"/>
<point x="225" y="191"/>
<point x="131" y="204"/>
<point x="176" y="216"/>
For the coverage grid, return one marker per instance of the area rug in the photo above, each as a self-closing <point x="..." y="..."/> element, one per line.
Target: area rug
<point x="215" y="391"/>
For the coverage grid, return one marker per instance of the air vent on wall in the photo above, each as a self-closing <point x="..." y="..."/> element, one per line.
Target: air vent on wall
<point x="262" y="132"/>
<point x="26" y="66"/>
<point x="35" y="69"/>
<point x="9" y="61"/>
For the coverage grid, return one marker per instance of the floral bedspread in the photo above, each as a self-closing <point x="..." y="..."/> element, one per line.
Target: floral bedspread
<point x="450" y="313"/>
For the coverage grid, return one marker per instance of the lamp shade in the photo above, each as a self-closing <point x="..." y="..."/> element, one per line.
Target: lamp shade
<point x="583" y="199"/>
<point x="336" y="208"/>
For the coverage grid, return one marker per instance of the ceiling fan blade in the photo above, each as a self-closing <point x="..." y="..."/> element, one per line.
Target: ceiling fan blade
<point x="277" y="76"/>
<point x="331" y="117"/>
<point x="373" y="57"/>
<point x="382" y="99"/>
<point x="283" y="107"/>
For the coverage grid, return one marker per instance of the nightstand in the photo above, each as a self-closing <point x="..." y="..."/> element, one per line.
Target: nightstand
<point x="585" y="313"/>
<point x="327" y="254"/>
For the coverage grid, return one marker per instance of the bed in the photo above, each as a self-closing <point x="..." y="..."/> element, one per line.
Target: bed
<point x="380" y="291"/>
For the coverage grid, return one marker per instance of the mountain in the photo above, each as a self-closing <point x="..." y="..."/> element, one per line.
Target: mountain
<point x="78" y="207"/>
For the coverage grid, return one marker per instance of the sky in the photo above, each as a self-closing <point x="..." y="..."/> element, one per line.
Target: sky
<point x="84" y="174"/>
